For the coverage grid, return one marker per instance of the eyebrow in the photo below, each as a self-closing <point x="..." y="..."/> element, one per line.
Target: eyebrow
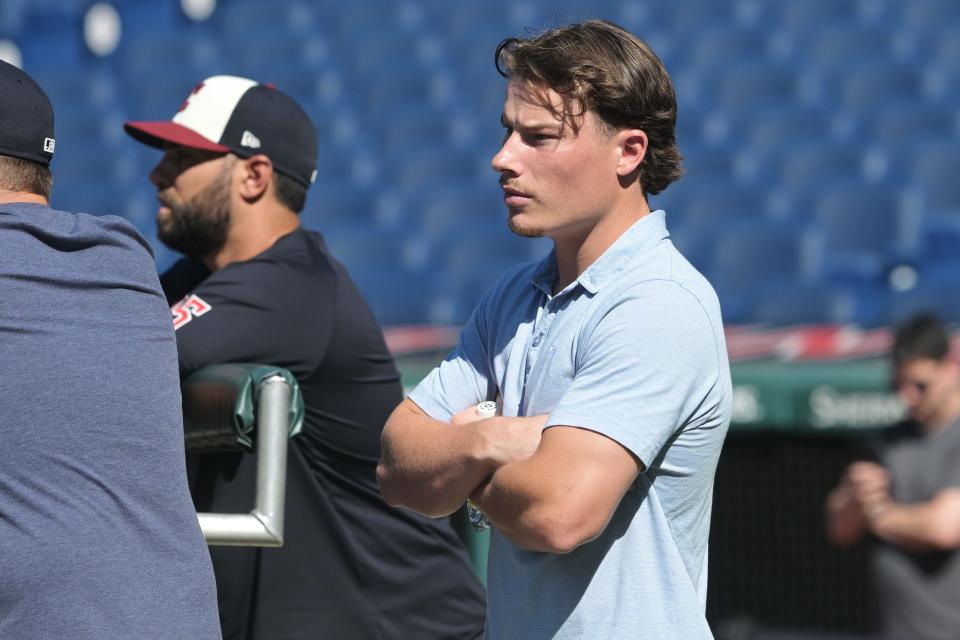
<point x="529" y="126"/>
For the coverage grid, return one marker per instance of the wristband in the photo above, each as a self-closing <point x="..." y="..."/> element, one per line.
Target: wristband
<point x="478" y="521"/>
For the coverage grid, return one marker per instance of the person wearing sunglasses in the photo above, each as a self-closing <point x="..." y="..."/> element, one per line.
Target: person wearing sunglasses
<point x="906" y="505"/>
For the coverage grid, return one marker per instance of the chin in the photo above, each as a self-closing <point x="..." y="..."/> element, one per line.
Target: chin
<point x="525" y="230"/>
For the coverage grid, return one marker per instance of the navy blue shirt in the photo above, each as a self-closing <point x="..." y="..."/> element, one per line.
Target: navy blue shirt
<point x="98" y="536"/>
<point x="351" y="566"/>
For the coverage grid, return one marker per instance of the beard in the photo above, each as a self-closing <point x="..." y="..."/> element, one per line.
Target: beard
<point x="198" y="227"/>
<point x="526" y="231"/>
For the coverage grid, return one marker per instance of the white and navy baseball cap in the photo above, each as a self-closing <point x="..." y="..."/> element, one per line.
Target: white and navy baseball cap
<point x="240" y="116"/>
<point x="26" y="117"/>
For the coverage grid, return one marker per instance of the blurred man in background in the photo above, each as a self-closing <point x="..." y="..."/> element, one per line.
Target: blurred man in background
<point x="256" y="287"/>
<point x="607" y="359"/>
<point x="908" y="503"/>
<point x="98" y="536"/>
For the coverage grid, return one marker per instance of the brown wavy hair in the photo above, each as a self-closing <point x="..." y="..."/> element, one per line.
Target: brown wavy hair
<point x="599" y="66"/>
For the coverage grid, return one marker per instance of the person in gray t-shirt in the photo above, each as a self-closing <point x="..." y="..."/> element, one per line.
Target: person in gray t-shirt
<point x="607" y="361"/>
<point x="908" y="502"/>
<point x="99" y="539"/>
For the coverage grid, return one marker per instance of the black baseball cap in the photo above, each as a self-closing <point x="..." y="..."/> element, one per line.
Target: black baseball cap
<point x="26" y="117"/>
<point x="236" y="115"/>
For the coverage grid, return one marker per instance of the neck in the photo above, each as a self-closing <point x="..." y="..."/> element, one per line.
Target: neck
<point x="577" y="251"/>
<point x="251" y="233"/>
<point x="10" y="197"/>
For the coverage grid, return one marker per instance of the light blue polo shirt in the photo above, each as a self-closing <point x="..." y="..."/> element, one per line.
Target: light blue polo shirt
<point x="634" y="350"/>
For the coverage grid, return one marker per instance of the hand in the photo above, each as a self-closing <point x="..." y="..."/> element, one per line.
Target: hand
<point x="512" y="439"/>
<point x="506" y="439"/>
<point x="869" y="483"/>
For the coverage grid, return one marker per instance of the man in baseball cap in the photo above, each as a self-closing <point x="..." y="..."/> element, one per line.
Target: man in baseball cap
<point x="100" y="538"/>
<point x="256" y="287"/>
<point x="236" y="123"/>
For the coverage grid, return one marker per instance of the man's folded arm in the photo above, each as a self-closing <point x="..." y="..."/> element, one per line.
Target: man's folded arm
<point x="432" y="466"/>
<point x="564" y="494"/>
<point x="429" y="465"/>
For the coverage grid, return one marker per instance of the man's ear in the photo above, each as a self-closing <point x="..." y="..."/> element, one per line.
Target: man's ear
<point x="632" y="146"/>
<point x="257" y="173"/>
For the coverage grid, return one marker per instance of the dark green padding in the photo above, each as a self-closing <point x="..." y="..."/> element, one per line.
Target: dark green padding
<point x="220" y="402"/>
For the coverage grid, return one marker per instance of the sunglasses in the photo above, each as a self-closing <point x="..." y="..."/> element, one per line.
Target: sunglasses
<point x="920" y="386"/>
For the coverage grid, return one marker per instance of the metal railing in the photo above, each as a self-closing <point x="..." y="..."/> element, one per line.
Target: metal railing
<point x="215" y="407"/>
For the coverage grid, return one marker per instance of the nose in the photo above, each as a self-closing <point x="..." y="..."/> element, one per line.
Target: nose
<point x="163" y="174"/>
<point x="504" y="161"/>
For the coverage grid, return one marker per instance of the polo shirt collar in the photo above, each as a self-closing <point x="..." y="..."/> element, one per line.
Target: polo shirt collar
<point x="644" y="233"/>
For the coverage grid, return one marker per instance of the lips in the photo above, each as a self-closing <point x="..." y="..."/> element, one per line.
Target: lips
<point x="513" y="196"/>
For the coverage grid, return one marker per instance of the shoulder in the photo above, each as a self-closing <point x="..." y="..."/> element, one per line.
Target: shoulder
<point x="665" y="303"/>
<point x="899" y="435"/>
<point x="63" y="230"/>
<point x="296" y="269"/>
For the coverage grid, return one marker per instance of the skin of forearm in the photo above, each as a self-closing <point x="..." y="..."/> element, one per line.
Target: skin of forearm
<point x="430" y="466"/>
<point x="926" y="526"/>
<point x="536" y="508"/>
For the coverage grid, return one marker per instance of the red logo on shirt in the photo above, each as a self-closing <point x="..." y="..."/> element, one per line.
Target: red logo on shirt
<point x="187" y="309"/>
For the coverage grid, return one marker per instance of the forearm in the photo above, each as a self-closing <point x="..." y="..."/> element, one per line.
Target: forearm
<point x="521" y="511"/>
<point x="926" y="526"/>
<point x="428" y="465"/>
<point x="540" y="508"/>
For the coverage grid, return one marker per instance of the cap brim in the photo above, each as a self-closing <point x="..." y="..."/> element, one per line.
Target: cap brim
<point x="156" y="134"/>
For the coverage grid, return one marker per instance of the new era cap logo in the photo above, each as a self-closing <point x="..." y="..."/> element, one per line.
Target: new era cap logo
<point x="249" y="140"/>
<point x="49" y="144"/>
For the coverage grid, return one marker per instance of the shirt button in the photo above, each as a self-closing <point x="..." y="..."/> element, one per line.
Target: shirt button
<point x="536" y="340"/>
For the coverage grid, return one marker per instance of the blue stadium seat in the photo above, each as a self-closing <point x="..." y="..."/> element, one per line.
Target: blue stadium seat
<point x="270" y="60"/>
<point x="139" y="19"/>
<point x="395" y="296"/>
<point x="801" y="303"/>
<point x="864" y="86"/>
<point x="435" y="166"/>
<point x="86" y="86"/>
<point x="865" y="227"/>
<point x="707" y="164"/>
<point x="813" y="13"/>
<point x="486" y="243"/>
<point x="330" y="205"/>
<point x="402" y="86"/>
<point x="248" y="17"/>
<point x="839" y="44"/>
<point x="53" y="40"/>
<point x="752" y="253"/>
<point x="785" y="126"/>
<point x="918" y="14"/>
<point x="720" y="42"/>
<point x="941" y="297"/>
<point x="755" y="85"/>
<point x="939" y="244"/>
<point x="360" y="247"/>
<point x="715" y="205"/>
<point x="935" y="172"/>
<point x="906" y="123"/>
<point x="818" y="163"/>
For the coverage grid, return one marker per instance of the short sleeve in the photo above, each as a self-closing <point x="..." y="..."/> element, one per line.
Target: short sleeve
<point x="465" y="377"/>
<point x="644" y="369"/>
